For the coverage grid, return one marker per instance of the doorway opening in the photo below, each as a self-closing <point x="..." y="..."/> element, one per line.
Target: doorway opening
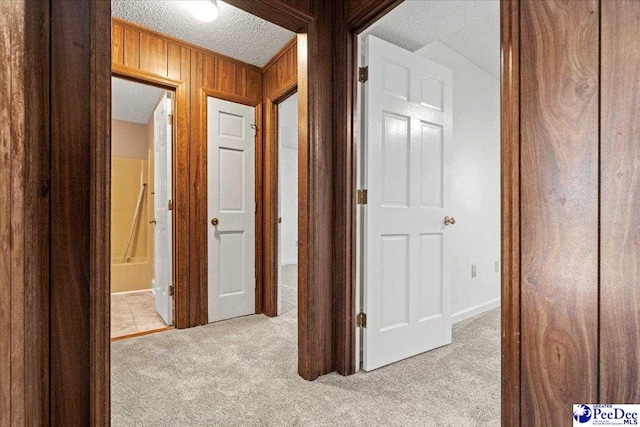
<point x="230" y="82"/>
<point x="141" y="209"/>
<point x="287" y="129"/>
<point x="428" y="102"/>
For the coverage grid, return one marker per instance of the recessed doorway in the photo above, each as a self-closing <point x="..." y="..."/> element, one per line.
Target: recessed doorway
<point x="141" y="208"/>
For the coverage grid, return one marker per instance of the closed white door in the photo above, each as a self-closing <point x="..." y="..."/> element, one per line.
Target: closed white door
<point x="407" y="292"/>
<point x="163" y="237"/>
<point x="231" y="209"/>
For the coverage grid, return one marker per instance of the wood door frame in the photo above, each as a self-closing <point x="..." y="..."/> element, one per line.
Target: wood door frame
<point x="271" y="193"/>
<point x="347" y="135"/>
<point x="315" y="187"/>
<point x="179" y="90"/>
<point x="314" y="332"/>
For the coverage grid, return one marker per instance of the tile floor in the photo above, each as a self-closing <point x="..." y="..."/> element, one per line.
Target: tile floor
<point x="134" y="312"/>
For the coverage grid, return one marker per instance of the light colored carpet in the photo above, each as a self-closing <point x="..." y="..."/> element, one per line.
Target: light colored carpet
<point x="289" y="288"/>
<point x="242" y="372"/>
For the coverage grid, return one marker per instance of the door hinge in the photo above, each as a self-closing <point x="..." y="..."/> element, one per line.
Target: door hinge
<point x="171" y="290"/>
<point x="170" y="118"/>
<point x="362" y="197"/>
<point x="361" y="320"/>
<point x="255" y="130"/>
<point x="363" y="74"/>
<point x="170" y="205"/>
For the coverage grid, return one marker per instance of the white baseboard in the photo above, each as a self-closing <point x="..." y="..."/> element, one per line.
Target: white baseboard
<point x="475" y="310"/>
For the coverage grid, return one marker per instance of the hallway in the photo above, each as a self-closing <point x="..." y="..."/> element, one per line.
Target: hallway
<point x="242" y="372"/>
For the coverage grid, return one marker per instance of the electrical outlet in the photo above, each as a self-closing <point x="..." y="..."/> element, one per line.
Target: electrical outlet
<point x="474" y="271"/>
<point x="497" y="266"/>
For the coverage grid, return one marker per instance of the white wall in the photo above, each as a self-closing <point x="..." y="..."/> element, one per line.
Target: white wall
<point x="475" y="182"/>
<point x="288" y="182"/>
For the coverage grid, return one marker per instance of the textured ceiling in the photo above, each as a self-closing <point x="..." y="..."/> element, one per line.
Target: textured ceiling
<point x="235" y="33"/>
<point x="470" y="27"/>
<point x="133" y="102"/>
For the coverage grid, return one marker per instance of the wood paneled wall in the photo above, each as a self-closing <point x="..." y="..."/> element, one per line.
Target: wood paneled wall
<point x="559" y="208"/>
<point x="141" y="52"/>
<point x="24" y="213"/>
<point x="576" y="162"/>
<point x="280" y="79"/>
<point x="620" y="203"/>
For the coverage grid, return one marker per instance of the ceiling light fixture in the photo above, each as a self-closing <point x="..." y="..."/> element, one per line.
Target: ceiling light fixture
<point x="203" y="10"/>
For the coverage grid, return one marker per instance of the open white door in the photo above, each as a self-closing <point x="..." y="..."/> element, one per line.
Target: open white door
<point x="163" y="238"/>
<point x="407" y="292"/>
<point x="231" y="209"/>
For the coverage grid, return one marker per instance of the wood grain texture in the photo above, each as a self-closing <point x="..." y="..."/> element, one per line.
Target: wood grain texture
<point x="154" y="58"/>
<point x="100" y="232"/>
<point x="131" y="55"/>
<point x="620" y="203"/>
<point x="181" y="170"/>
<point x="153" y="54"/>
<point x="357" y="15"/>
<point x="559" y="208"/>
<point x="6" y="167"/>
<point x="117" y="43"/>
<point x="71" y="161"/>
<point x="24" y="213"/>
<point x="510" y="211"/>
<point x="315" y="191"/>
<point x="280" y="79"/>
<point x="281" y="12"/>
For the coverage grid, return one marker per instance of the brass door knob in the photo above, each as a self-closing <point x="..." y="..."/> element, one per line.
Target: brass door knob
<point x="449" y="220"/>
<point x="215" y="222"/>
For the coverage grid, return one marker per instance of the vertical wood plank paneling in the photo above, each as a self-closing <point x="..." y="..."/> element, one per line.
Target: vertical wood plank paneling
<point x="131" y="47"/>
<point x="207" y="75"/>
<point x="24" y="213"/>
<point x="36" y="201"/>
<point x="181" y="193"/>
<point x="620" y="203"/>
<point x="241" y="81"/>
<point x="199" y="63"/>
<point x="559" y="208"/>
<point x="174" y="60"/>
<point x="117" y="44"/>
<point x="254" y="85"/>
<point x="6" y="165"/>
<point x="153" y="54"/>
<point x="70" y="212"/>
<point x="225" y="76"/>
<point x="17" y="218"/>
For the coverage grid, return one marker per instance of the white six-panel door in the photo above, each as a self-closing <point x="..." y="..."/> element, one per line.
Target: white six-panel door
<point x="231" y="209"/>
<point x="406" y="294"/>
<point x="163" y="232"/>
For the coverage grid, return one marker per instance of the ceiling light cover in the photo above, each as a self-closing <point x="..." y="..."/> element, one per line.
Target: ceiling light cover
<point x="203" y="10"/>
